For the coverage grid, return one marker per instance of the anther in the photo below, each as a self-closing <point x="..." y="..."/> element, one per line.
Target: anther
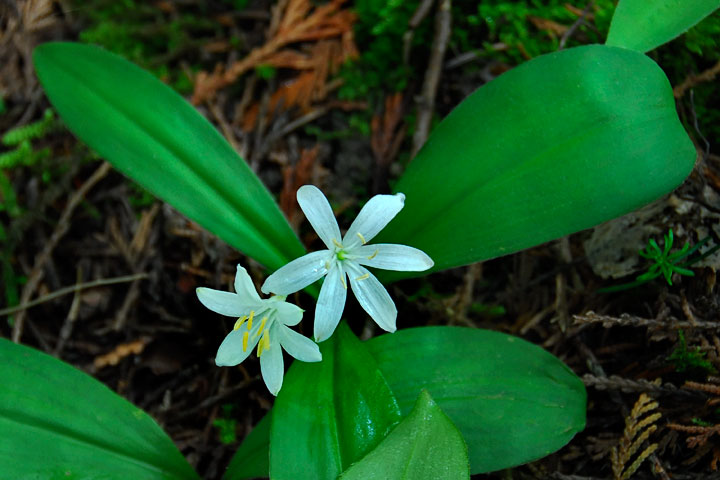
<point x="342" y="280"/>
<point x="252" y="315"/>
<point x="373" y="255"/>
<point x="266" y="340"/>
<point x="363" y="277"/>
<point x="239" y="322"/>
<point x="337" y="244"/>
<point x="245" y="340"/>
<point x="362" y="239"/>
<point x="262" y="326"/>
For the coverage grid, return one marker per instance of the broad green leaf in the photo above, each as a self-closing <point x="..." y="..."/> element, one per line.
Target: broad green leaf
<point x="559" y="144"/>
<point x="330" y="414"/>
<point x="251" y="459"/>
<point x="58" y="422"/>
<point x="512" y="401"/>
<point x="646" y="24"/>
<point x="155" y="137"/>
<point x="424" y="446"/>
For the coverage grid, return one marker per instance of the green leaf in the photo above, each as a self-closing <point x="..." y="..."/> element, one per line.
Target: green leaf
<point x="646" y="24"/>
<point x="155" y="137"/>
<point x="559" y="144"/>
<point x="513" y="401"/>
<point x="251" y="459"/>
<point x="425" y="445"/>
<point x="330" y="414"/>
<point x="58" y="422"/>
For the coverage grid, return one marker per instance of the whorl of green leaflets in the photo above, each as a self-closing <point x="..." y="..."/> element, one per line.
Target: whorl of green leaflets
<point x="33" y="130"/>
<point x="665" y="263"/>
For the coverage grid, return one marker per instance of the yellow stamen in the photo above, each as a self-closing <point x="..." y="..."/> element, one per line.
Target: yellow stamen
<point x="373" y="255"/>
<point x="262" y="326"/>
<point x="337" y="244"/>
<point x="245" y="341"/>
<point x="252" y="315"/>
<point x="263" y="344"/>
<point x="239" y="322"/>
<point x="342" y="280"/>
<point x="362" y="239"/>
<point x="266" y="340"/>
<point x="363" y="277"/>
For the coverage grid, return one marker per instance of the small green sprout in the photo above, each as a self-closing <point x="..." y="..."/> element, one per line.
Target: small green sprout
<point x="226" y="426"/>
<point x="266" y="71"/>
<point x="701" y="423"/>
<point x="665" y="262"/>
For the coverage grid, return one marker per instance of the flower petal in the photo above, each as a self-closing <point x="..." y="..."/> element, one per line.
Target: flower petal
<point x="372" y="296"/>
<point x="244" y="286"/>
<point x="390" y="256"/>
<point x="231" y="351"/>
<point x="272" y="367"/>
<point x="330" y="304"/>
<point x="298" y="345"/>
<point x="299" y="273"/>
<point x="287" y="313"/>
<point x="373" y="217"/>
<point x="319" y="213"/>
<point x="224" y="303"/>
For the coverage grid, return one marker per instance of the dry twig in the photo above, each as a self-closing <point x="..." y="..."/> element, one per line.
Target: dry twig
<point x="74" y="288"/>
<point x="693" y="80"/>
<point x="63" y="225"/>
<point x="118" y="353"/>
<point x="388" y="133"/>
<point x="426" y="101"/>
<point x="633" y="321"/>
<point x="615" y="382"/>
<point x="294" y="177"/>
<point x="300" y="22"/>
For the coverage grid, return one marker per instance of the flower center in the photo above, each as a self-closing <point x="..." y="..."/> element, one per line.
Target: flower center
<point x="264" y="342"/>
<point x="341" y="255"/>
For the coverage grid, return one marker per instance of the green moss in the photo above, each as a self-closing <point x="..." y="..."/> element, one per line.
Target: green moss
<point x="501" y="22"/>
<point x="684" y="358"/>
<point x="144" y="34"/>
<point x="379" y="32"/>
<point x="38" y="129"/>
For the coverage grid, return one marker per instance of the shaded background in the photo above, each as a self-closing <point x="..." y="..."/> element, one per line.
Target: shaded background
<point x="342" y="97"/>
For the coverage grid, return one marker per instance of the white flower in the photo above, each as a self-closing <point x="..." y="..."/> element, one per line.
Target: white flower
<point x="346" y="256"/>
<point x="261" y="322"/>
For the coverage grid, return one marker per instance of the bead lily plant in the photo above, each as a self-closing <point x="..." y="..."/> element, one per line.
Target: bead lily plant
<point x="429" y="402"/>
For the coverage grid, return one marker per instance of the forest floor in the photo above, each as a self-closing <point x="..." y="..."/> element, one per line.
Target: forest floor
<point x="346" y="112"/>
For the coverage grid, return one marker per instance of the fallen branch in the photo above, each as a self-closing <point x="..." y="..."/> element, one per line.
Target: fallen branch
<point x="71" y="289"/>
